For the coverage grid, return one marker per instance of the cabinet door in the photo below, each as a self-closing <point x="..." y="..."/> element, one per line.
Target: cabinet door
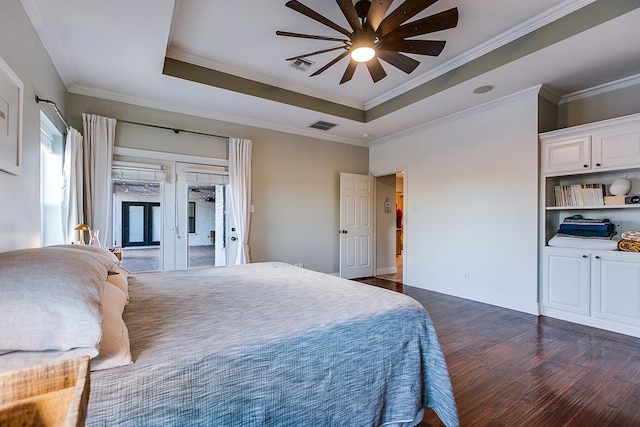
<point x="616" y="287"/>
<point x="569" y="155"/>
<point x="616" y="149"/>
<point x="566" y="274"/>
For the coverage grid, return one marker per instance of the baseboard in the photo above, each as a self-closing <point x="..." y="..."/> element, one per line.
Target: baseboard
<point x="483" y="297"/>
<point x="593" y="322"/>
<point x="386" y="270"/>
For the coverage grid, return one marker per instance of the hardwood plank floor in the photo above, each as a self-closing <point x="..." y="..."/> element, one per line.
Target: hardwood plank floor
<point x="514" y="369"/>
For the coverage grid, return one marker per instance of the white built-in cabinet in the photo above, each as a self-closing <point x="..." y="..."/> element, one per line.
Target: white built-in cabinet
<point x="593" y="287"/>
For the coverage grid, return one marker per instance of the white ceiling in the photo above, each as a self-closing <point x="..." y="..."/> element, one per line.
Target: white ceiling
<point x="116" y="50"/>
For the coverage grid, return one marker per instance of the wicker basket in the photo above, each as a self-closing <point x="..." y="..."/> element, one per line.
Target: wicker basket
<point x="54" y="394"/>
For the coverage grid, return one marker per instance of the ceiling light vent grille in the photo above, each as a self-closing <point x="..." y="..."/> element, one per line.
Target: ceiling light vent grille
<point x="322" y="125"/>
<point x="302" y="64"/>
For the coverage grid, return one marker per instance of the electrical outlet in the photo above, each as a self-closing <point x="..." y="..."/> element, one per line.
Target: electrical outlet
<point x="299" y="264"/>
<point x="466" y="276"/>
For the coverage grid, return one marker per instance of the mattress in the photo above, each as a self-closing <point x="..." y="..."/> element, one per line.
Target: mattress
<point x="269" y="344"/>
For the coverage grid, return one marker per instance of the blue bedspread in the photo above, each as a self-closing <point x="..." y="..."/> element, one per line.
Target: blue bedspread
<point x="269" y="344"/>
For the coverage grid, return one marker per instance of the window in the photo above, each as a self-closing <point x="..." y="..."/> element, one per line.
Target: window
<point x="51" y="158"/>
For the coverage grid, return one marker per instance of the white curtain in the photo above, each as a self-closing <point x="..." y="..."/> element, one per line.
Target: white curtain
<point x="72" y="191"/>
<point x="99" y="137"/>
<point x="240" y="192"/>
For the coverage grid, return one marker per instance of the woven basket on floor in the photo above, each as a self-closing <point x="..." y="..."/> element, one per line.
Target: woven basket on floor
<point x="54" y="394"/>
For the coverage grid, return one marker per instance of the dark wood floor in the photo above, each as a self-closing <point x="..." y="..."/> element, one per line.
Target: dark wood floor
<point x="514" y="369"/>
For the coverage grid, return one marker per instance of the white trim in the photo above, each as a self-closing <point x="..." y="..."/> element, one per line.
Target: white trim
<point x="530" y="307"/>
<point x="588" y="128"/>
<point x="538" y="21"/>
<point x="121" y="164"/>
<point x="593" y="322"/>
<point x="550" y="95"/>
<point x="51" y="46"/>
<point x="523" y="94"/>
<point x="386" y="270"/>
<point x="619" y="84"/>
<point x="208" y="114"/>
<point x="168" y="157"/>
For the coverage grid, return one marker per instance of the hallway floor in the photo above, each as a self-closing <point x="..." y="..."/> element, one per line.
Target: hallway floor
<point x="395" y="277"/>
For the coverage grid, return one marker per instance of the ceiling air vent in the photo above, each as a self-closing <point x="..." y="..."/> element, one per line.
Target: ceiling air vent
<point x="322" y="125"/>
<point x="302" y="64"/>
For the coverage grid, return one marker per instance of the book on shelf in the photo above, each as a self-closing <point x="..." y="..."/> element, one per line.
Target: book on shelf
<point x="579" y="195"/>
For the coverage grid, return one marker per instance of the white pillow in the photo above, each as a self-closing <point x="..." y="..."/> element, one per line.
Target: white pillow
<point x="96" y="250"/>
<point x="50" y="299"/>
<point x="114" y="345"/>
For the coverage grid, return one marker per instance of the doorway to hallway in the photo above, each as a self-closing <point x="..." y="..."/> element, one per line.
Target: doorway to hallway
<point x="390" y="227"/>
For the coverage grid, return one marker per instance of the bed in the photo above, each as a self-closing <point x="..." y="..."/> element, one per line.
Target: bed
<point x="264" y="344"/>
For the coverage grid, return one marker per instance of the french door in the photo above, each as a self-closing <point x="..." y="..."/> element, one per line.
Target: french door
<point x="141" y="224"/>
<point x="204" y="232"/>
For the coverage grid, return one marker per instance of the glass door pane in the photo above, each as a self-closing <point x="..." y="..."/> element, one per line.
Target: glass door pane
<point x="138" y="224"/>
<point x="201" y="225"/>
<point x="134" y="231"/>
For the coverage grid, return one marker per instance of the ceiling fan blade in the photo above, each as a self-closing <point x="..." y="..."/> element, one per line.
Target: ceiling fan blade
<point x="399" y="60"/>
<point x="338" y="58"/>
<point x="430" y="24"/>
<point x="377" y="11"/>
<point x="401" y="14"/>
<point x="421" y="47"/>
<point x="376" y="70"/>
<point x="299" y="7"/>
<point x="348" y="73"/>
<point x="349" y="12"/>
<point x="309" y="36"/>
<point x="317" y="52"/>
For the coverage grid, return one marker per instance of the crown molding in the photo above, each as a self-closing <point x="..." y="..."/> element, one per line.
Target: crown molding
<point x="51" y="46"/>
<point x="619" y="84"/>
<point x="550" y="94"/>
<point x="542" y="19"/>
<point x="207" y="114"/>
<point x="523" y="94"/>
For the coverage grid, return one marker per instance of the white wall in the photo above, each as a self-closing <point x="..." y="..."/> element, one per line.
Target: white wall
<point x="22" y="50"/>
<point x="472" y="192"/>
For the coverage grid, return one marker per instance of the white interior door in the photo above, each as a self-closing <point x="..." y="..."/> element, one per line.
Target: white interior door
<point x="356" y="225"/>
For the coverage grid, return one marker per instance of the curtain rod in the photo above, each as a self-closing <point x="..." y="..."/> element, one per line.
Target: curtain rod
<point x="175" y="130"/>
<point x="55" y="108"/>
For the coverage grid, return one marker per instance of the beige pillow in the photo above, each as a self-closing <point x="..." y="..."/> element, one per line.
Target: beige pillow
<point x="114" y="345"/>
<point x="119" y="278"/>
<point x="50" y="299"/>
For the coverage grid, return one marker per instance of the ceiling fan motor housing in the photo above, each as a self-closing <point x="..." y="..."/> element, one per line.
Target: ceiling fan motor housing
<point x="362" y="8"/>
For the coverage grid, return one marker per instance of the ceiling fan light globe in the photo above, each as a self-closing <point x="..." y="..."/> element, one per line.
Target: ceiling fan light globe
<point x="363" y="54"/>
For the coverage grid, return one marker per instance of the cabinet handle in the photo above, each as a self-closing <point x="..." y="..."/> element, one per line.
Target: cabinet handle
<point x="584" y="256"/>
<point x="597" y="257"/>
<point x="585" y="166"/>
<point x="598" y="164"/>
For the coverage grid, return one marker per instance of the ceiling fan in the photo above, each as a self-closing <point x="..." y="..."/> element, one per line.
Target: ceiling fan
<point x="375" y="36"/>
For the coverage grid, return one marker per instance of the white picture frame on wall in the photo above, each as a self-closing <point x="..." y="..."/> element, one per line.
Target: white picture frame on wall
<point x="11" y="104"/>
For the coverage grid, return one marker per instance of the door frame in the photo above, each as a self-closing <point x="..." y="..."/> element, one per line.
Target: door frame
<point x="405" y="217"/>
